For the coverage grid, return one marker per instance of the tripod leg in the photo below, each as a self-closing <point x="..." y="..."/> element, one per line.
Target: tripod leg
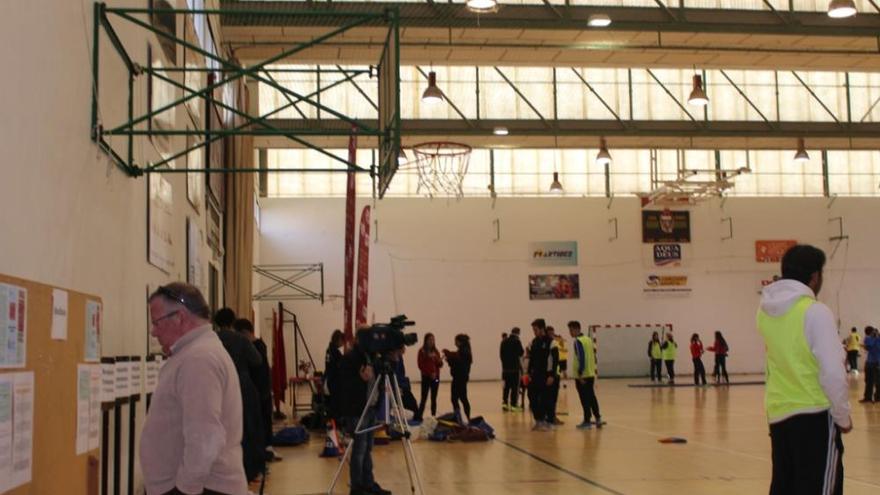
<point x="408" y="452"/>
<point x="357" y="430"/>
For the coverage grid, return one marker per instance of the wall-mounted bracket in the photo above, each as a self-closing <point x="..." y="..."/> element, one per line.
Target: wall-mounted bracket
<point x="729" y="221"/>
<point x="497" y="225"/>
<point x="612" y="222"/>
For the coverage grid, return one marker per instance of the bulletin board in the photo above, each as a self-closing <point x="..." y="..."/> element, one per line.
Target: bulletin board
<point x="55" y="468"/>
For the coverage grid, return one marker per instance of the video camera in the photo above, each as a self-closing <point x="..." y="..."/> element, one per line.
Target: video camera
<point x="383" y="337"/>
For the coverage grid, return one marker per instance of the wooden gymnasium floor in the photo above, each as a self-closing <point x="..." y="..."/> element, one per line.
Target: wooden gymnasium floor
<point x="728" y="450"/>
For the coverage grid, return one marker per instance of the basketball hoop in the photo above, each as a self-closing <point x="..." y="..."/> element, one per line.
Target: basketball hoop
<point x="441" y="166"/>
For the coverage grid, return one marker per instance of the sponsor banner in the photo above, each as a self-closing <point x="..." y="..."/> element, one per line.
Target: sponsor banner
<point x="561" y="253"/>
<point x="771" y="251"/>
<point x="666" y="226"/>
<point x="666" y="255"/>
<point x="363" y="270"/>
<point x="349" y="239"/>
<point x="666" y="284"/>
<point x="558" y="286"/>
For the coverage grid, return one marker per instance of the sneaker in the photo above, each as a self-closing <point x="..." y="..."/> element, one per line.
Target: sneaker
<point x="516" y="409"/>
<point x="558" y="422"/>
<point x="866" y="401"/>
<point x="599" y="423"/>
<point x="586" y="425"/>
<point x="505" y="407"/>
<point x="378" y="490"/>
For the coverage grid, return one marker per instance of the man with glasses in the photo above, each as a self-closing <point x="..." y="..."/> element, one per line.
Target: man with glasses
<point x="191" y="440"/>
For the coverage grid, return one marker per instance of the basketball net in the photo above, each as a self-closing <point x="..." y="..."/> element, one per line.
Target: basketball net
<point x="442" y="166"/>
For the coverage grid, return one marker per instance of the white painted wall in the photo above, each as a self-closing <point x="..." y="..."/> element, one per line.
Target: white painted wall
<point x="70" y="218"/>
<point x="436" y="261"/>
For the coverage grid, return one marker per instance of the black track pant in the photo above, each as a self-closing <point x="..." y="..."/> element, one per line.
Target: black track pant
<point x="872" y="382"/>
<point x="511" y="388"/>
<point x="670" y="370"/>
<point x="699" y="371"/>
<point x="428" y="385"/>
<point x="587" y="394"/>
<point x="656" y="373"/>
<point x="807" y="456"/>
<point x="459" y="394"/>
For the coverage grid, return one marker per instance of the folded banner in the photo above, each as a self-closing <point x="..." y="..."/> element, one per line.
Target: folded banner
<point x="363" y="270"/>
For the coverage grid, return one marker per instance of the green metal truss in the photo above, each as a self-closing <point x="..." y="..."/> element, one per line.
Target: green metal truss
<point x="259" y="125"/>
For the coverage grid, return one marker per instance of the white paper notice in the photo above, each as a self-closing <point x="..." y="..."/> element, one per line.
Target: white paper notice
<point x="134" y="386"/>
<point x="152" y="376"/>
<point x="83" y="394"/>
<point x="6" y="385"/>
<point x="94" y="407"/>
<point x="22" y="428"/>
<point x="93" y="332"/>
<point x="122" y="377"/>
<point x="108" y="380"/>
<point x="13" y="334"/>
<point x="59" y="314"/>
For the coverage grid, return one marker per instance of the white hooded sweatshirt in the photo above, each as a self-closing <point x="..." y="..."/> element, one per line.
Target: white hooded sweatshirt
<point x="820" y="331"/>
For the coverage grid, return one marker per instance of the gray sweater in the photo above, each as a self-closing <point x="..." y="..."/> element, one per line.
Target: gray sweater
<point x="192" y="434"/>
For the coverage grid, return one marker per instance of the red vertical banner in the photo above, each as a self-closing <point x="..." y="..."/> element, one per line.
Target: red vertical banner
<point x="349" y="237"/>
<point x="363" y="272"/>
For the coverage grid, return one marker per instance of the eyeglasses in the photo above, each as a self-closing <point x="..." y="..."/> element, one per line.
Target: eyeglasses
<point x="165" y="316"/>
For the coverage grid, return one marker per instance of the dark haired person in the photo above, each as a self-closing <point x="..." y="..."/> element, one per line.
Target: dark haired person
<point x="872" y="365"/>
<point x="245" y="356"/>
<point x="541" y="369"/>
<point x="583" y="370"/>
<point x="191" y="439"/>
<point x="460" y="362"/>
<point x="655" y="354"/>
<point x="511" y="369"/>
<point x="262" y="378"/>
<point x="807" y="394"/>
<point x="720" y="348"/>
<point x="697" y="357"/>
<point x="430" y="363"/>
<point x="332" y="362"/>
<point x="853" y="344"/>
<point x="356" y="379"/>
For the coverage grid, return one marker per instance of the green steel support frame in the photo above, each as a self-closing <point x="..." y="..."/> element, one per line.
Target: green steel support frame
<point x="387" y="131"/>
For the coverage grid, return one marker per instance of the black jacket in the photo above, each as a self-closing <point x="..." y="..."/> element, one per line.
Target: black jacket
<point x="511" y="352"/>
<point x="261" y="374"/>
<point x="332" y="363"/>
<point x="460" y="364"/>
<point x="543" y="360"/>
<point x="350" y="384"/>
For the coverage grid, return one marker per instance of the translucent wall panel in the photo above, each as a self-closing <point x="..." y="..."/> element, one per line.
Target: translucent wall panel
<point x="775" y="173"/>
<point x="314" y="184"/>
<point x="854" y="173"/>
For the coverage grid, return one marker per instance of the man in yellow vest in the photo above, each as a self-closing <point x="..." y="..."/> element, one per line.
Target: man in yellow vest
<point x="807" y="395"/>
<point x="853" y="344"/>
<point x="583" y="370"/>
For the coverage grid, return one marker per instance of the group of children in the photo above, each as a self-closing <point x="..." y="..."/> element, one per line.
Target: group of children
<point x="666" y="351"/>
<point x="546" y="365"/>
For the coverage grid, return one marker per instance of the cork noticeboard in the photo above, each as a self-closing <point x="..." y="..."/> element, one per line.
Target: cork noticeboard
<point x="56" y="468"/>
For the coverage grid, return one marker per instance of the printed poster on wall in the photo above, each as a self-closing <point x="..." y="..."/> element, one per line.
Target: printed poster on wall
<point x="558" y="286"/>
<point x="93" y="332"/>
<point x="195" y="239"/>
<point x="772" y="251"/>
<point x="666" y="226"/>
<point x="160" y="218"/>
<point x="667" y="255"/>
<point x="659" y="284"/>
<point x="13" y="326"/>
<point x="555" y="253"/>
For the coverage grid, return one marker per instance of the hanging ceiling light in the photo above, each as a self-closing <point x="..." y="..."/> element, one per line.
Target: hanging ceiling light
<point x="801" y="154"/>
<point x="556" y="186"/>
<point x="603" y="157"/>
<point x="839" y="9"/>
<point x="599" y="20"/>
<point x="482" y="6"/>
<point x="698" y="95"/>
<point x="432" y="93"/>
<point x="500" y="131"/>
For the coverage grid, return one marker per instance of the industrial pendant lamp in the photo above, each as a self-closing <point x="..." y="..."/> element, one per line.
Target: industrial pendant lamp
<point x="801" y="155"/>
<point x="432" y="93"/>
<point x="556" y="186"/>
<point x="840" y="9"/>
<point x="599" y="20"/>
<point x="482" y="6"/>
<point x="603" y="157"/>
<point x="698" y="94"/>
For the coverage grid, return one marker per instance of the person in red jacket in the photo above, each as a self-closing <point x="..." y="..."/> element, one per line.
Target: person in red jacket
<point x="430" y="363"/>
<point x="697" y="356"/>
<point x="720" y="349"/>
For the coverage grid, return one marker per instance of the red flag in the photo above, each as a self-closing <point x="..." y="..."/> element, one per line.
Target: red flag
<point x="363" y="272"/>
<point x="349" y="236"/>
<point x="279" y="357"/>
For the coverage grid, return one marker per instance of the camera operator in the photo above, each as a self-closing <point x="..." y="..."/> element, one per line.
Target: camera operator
<point x="356" y="378"/>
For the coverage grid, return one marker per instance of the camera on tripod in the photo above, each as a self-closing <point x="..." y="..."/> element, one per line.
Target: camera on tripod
<point x="380" y="339"/>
